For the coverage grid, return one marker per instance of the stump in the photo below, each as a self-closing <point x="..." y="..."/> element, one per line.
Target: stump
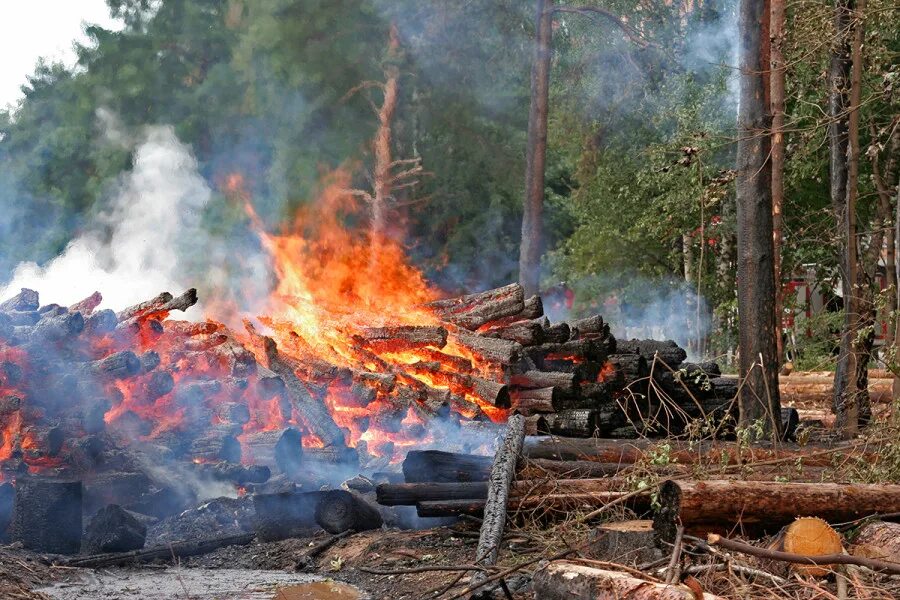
<point x="47" y="515"/>
<point x="626" y="542"/>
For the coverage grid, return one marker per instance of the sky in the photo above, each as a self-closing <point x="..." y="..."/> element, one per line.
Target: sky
<point x="42" y="28"/>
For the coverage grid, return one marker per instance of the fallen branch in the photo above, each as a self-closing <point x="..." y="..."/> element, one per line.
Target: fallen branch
<point x="823" y="559"/>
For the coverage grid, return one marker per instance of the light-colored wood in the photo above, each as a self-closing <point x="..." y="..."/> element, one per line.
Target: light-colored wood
<point x="879" y="540"/>
<point x="813" y="537"/>
<point x="564" y="580"/>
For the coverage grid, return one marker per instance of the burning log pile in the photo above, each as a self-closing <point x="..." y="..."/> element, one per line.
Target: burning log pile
<point x="101" y="396"/>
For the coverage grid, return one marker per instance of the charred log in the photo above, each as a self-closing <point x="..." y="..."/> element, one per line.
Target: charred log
<point x="403" y="337"/>
<point x="339" y="510"/>
<point x="475" y="310"/>
<point x="47" y="515"/>
<point x="280" y="449"/>
<point x="25" y="300"/>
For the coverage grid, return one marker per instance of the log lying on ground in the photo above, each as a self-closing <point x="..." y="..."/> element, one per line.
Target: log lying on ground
<point x="503" y="471"/>
<point x="169" y="551"/>
<point x="113" y="529"/>
<point x="397" y="494"/>
<point x="475" y="310"/>
<point x="339" y="510"/>
<point x="440" y="466"/>
<point x="280" y="449"/>
<point x="564" y="503"/>
<point x="564" y="580"/>
<point x="879" y="540"/>
<point x="47" y="515"/>
<point x="284" y="515"/>
<point x="397" y="338"/>
<point x="712" y="506"/>
<point x="613" y="451"/>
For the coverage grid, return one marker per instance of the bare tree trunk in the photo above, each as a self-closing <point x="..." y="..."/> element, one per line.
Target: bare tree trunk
<point x="687" y="254"/>
<point x="759" y="397"/>
<point x="382" y="144"/>
<point x="777" y="88"/>
<point x="845" y="380"/>
<point x="536" y="152"/>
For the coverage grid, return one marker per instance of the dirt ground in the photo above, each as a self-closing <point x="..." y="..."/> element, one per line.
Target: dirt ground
<point x="255" y="571"/>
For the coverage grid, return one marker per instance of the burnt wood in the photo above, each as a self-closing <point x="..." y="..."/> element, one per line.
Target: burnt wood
<point x="25" y="300"/>
<point x="339" y="510"/>
<point x="280" y="449"/>
<point x="47" y="515"/>
<point x="527" y="333"/>
<point x="403" y="337"/>
<point x="440" y="466"/>
<point x="474" y="310"/>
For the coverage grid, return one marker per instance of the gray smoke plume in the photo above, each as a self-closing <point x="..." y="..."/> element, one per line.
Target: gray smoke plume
<point x="136" y="247"/>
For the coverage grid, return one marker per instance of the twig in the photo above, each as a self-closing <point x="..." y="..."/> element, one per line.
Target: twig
<point x="510" y="571"/>
<point x="671" y="570"/>
<point x="427" y="569"/>
<point x="740" y="569"/>
<point x="323" y="546"/>
<point x="610" y="504"/>
<point x="823" y="559"/>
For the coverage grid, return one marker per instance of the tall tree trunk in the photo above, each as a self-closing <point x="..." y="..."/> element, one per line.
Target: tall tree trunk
<point x="777" y="89"/>
<point x="382" y="178"/>
<point x="756" y="278"/>
<point x="536" y="152"/>
<point x="845" y="380"/>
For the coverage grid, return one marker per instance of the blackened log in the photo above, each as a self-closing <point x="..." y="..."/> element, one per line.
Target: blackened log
<point x="241" y="475"/>
<point x="540" y="468"/>
<point x="24" y="300"/>
<point x="627" y="368"/>
<point x="52" y="329"/>
<point x="408" y="494"/>
<point x="100" y="323"/>
<point x="450" y="508"/>
<point x="547" y="357"/>
<point x="190" y="328"/>
<point x="240" y="361"/>
<point x="339" y="510"/>
<point x="586" y="422"/>
<point x="113" y="529"/>
<point x="235" y="413"/>
<point x="440" y="466"/>
<point x="47" y="515"/>
<point x="557" y="333"/>
<point x="503" y="471"/>
<point x="452" y="362"/>
<point x="158" y="384"/>
<point x="10" y="373"/>
<point x="169" y="551"/>
<point x="564" y="382"/>
<point x="217" y="444"/>
<point x="7" y="329"/>
<point x="381" y="382"/>
<point x="52" y="310"/>
<point x="268" y="383"/>
<point x="533" y="309"/>
<point x="7" y="499"/>
<point x="397" y="338"/>
<point x="540" y="400"/>
<point x="196" y="392"/>
<point x="149" y="361"/>
<point x="587" y="327"/>
<point x="527" y="333"/>
<point x="144" y="307"/>
<point x="280" y="449"/>
<point x="87" y="306"/>
<point x="313" y="411"/>
<point x="201" y="343"/>
<point x="724" y="388"/>
<point x="120" y="365"/>
<point x="283" y="515"/>
<point x="504" y="352"/>
<point x="667" y="351"/>
<point x="20" y="318"/>
<point x="475" y="310"/>
<point x="492" y="392"/>
<point x="42" y="440"/>
<point x="159" y="307"/>
<point x="330" y="456"/>
<point x="596" y="393"/>
<point x="359" y="395"/>
<point x="9" y="404"/>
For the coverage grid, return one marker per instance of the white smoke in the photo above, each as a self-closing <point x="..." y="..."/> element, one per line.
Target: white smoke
<point x="137" y="248"/>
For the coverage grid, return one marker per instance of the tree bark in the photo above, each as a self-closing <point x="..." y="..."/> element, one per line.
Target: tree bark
<point x="845" y="385"/>
<point x="756" y="282"/>
<point x="777" y="77"/>
<point x="536" y="151"/>
<point x="563" y="580"/>
<point x="381" y="183"/>
<point x="758" y="506"/>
